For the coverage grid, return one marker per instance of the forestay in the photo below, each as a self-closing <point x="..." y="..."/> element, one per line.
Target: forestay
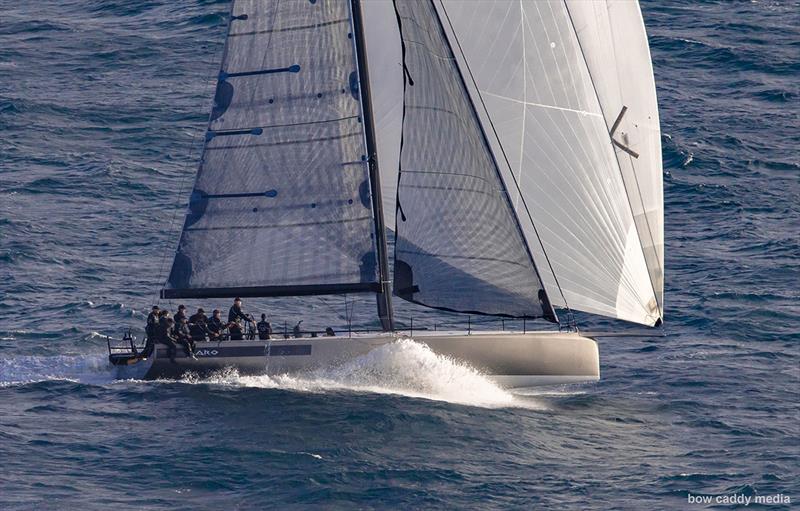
<point x="282" y="201"/>
<point x="458" y="246"/>
<point x="563" y="172"/>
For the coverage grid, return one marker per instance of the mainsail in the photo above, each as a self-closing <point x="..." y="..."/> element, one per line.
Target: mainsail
<point x="458" y="244"/>
<point x="554" y="76"/>
<point x="283" y="200"/>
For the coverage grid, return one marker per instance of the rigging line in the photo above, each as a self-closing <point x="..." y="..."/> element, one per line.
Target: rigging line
<point x="505" y="157"/>
<point x="616" y="157"/>
<point x="192" y="146"/>
<point x="332" y="308"/>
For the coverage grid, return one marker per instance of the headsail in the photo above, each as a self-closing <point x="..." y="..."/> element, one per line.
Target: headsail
<point x="282" y="203"/>
<point x="541" y="94"/>
<point x="458" y="246"/>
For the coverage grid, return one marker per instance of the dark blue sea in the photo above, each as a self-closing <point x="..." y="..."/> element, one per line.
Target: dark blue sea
<point x="102" y="107"/>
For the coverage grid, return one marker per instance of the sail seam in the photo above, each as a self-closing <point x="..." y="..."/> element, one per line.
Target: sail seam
<point x="269" y="126"/>
<point x="448" y="256"/>
<point x="277" y="226"/>
<point x="288" y="142"/>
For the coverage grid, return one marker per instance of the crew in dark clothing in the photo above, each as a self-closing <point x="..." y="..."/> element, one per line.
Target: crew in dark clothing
<point x="235" y="332"/>
<point x="152" y="332"/>
<point x="152" y="323"/>
<point x="296" y="330"/>
<point x="197" y="325"/>
<point x="264" y="328"/>
<point x="215" y="326"/>
<point x="163" y="315"/>
<point x="329" y="332"/>
<point x="184" y="336"/>
<point x="166" y="335"/>
<point x="180" y="315"/>
<point x="236" y="313"/>
<point x="235" y="318"/>
<point x="199" y="315"/>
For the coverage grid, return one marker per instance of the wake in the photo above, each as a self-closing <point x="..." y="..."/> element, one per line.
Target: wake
<point x="91" y="369"/>
<point x="404" y="367"/>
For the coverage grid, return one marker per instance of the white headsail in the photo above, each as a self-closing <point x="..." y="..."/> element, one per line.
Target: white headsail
<point x="553" y="82"/>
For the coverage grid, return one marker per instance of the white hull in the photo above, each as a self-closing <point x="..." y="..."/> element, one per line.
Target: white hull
<point x="511" y="359"/>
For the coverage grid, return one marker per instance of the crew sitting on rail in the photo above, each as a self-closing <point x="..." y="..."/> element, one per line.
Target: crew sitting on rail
<point x="215" y="326"/>
<point x="166" y="334"/>
<point x="184" y="336"/>
<point x="178" y="317"/>
<point x="198" y="327"/>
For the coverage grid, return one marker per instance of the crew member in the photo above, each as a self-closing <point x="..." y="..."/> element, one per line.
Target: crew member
<point x="163" y="315"/>
<point x="264" y="328"/>
<point x="180" y="315"/>
<point x="329" y="332"/>
<point x="152" y="323"/>
<point x="200" y="314"/>
<point x="184" y="336"/>
<point x="166" y="335"/>
<point x="235" y="315"/>
<point x="198" y="325"/>
<point x="215" y="326"/>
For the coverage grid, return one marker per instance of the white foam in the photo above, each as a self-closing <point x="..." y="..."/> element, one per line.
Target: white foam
<point x="403" y="367"/>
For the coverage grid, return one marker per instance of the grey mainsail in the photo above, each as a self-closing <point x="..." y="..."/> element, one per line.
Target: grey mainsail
<point x="458" y="244"/>
<point x="283" y="201"/>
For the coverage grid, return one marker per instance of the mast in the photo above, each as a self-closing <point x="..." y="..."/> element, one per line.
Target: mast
<point x="384" y="296"/>
<point x="267" y="216"/>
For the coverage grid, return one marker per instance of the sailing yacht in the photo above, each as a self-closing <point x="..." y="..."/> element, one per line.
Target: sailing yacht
<point x="528" y="180"/>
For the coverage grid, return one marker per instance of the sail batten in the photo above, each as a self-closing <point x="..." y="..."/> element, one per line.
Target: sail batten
<point x="283" y="200"/>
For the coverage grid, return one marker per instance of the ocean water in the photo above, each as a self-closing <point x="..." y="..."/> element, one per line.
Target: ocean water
<point x="102" y="106"/>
